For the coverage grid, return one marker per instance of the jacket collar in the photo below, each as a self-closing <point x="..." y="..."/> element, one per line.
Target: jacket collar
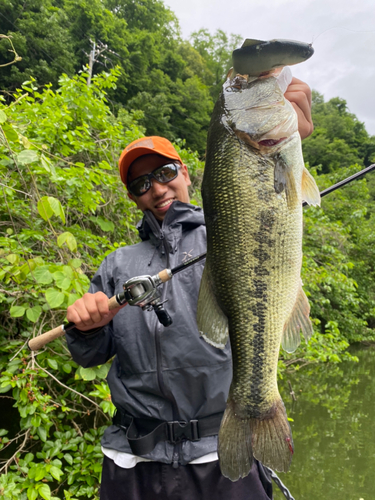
<point x="180" y="217"/>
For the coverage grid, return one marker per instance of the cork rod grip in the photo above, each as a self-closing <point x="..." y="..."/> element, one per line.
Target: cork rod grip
<point x="165" y="275"/>
<point x="41" y="340"/>
<point x="112" y="303"/>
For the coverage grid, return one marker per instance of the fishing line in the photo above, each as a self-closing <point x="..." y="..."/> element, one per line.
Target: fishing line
<point x="340" y="28"/>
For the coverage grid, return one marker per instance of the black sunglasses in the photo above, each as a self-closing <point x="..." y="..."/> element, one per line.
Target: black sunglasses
<point x="163" y="174"/>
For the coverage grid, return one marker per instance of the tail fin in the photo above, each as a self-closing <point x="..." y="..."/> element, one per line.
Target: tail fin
<point x="235" y="450"/>
<point x="269" y="440"/>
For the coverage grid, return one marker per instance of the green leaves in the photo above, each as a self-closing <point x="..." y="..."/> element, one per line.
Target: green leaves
<point x="104" y="224"/>
<point x="53" y="363"/>
<point x="49" y="206"/>
<point x="97" y="372"/>
<point x="54" y="297"/>
<point x="69" y="239"/>
<point x="27" y="156"/>
<point x="3" y="117"/>
<point x="45" y="491"/>
<point x="43" y="275"/>
<point x="33" y="313"/>
<point x="17" y="311"/>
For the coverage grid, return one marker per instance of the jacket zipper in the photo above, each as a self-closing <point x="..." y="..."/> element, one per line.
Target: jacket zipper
<point x="157" y="338"/>
<point x="158" y="332"/>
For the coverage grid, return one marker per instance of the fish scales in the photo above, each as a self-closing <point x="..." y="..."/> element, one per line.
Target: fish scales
<point x="251" y="281"/>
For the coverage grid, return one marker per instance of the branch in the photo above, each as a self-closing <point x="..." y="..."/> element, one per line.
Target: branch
<point x="16" y="452"/>
<point x="18" y="191"/>
<point x="16" y="56"/>
<point x="69" y="388"/>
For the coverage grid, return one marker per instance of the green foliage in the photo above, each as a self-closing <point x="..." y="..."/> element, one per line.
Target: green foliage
<point x="339" y="139"/>
<point x="338" y="272"/>
<point x="216" y="50"/>
<point x="63" y="209"/>
<point x="40" y="37"/>
<point x="161" y="75"/>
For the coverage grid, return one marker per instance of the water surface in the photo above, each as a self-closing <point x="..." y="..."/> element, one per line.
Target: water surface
<point x="333" y="430"/>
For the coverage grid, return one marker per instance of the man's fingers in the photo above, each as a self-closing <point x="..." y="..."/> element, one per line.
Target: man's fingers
<point x="101" y="304"/>
<point x="96" y="306"/>
<point x="299" y="85"/>
<point x="305" y="126"/>
<point x="87" y="312"/>
<point x="299" y="94"/>
<point x="90" y="310"/>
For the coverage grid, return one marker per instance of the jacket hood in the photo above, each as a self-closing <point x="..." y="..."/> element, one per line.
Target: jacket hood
<point x="179" y="218"/>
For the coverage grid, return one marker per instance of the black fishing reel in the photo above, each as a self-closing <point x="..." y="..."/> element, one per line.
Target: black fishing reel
<point x="142" y="291"/>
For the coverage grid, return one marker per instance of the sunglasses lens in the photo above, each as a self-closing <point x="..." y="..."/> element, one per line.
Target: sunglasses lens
<point x="140" y="186"/>
<point x="166" y="173"/>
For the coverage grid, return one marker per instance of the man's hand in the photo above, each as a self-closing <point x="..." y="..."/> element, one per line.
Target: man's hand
<point x="299" y="94"/>
<point x="91" y="311"/>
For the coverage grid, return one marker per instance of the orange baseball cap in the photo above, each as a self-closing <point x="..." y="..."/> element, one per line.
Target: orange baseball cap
<point x="145" y="146"/>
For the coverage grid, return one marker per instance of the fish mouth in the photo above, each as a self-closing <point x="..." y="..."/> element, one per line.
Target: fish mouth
<point x="268" y="143"/>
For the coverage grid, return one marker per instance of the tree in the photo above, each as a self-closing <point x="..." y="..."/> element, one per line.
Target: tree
<point x="40" y="37"/>
<point x="216" y="50"/>
<point x="339" y="139"/>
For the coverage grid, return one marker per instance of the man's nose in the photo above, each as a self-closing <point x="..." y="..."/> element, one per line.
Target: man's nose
<point x="157" y="188"/>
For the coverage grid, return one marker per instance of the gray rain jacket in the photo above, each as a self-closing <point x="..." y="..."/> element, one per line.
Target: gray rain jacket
<point x="161" y="373"/>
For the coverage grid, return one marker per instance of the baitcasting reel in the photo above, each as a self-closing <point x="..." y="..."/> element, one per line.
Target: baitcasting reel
<point x="142" y="291"/>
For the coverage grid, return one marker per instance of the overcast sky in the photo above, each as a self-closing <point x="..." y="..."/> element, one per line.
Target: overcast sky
<point x="344" y="61"/>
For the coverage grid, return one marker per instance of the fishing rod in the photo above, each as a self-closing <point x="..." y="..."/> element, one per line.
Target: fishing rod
<point x="345" y="181"/>
<point x="142" y="291"/>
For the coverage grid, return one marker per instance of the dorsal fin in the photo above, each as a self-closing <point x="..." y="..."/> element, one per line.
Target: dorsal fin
<point x="250" y="41"/>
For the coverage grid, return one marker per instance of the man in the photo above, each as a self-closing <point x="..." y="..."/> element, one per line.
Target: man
<point x="168" y="385"/>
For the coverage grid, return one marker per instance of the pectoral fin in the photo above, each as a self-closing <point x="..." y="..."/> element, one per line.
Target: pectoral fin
<point x="297" y="321"/>
<point x="284" y="180"/>
<point x="212" y="322"/>
<point x="310" y="191"/>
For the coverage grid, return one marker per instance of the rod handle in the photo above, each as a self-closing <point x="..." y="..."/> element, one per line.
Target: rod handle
<point x="165" y="275"/>
<point x="43" y="339"/>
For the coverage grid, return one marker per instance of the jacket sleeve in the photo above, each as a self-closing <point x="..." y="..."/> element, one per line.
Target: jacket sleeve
<point x="96" y="346"/>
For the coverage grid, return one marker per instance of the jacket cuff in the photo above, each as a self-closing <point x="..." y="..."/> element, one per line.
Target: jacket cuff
<point x="83" y="334"/>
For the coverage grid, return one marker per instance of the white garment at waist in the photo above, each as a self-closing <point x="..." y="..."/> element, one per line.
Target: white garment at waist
<point x="128" y="461"/>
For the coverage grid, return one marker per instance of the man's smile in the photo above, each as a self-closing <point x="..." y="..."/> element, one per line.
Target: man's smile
<point x="165" y="203"/>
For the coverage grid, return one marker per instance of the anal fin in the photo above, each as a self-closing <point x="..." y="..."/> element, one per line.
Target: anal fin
<point x="212" y="322"/>
<point x="297" y="321"/>
<point x="310" y="191"/>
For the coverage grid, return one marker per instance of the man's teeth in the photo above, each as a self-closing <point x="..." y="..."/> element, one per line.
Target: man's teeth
<point x="164" y="204"/>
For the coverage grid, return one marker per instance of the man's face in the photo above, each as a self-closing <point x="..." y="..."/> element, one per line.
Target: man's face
<point x="159" y="197"/>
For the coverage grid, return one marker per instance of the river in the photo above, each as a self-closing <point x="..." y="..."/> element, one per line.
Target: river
<point x="333" y="429"/>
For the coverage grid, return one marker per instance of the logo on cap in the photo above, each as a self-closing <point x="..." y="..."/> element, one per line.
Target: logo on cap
<point x="145" y="143"/>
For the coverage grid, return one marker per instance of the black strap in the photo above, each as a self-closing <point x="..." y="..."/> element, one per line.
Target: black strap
<point x="284" y="490"/>
<point x="143" y="434"/>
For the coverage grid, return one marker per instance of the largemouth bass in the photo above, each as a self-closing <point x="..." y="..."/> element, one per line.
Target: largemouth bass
<point x="253" y="187"/>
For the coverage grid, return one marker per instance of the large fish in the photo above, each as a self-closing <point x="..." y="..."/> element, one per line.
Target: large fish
<point x="253" y="187"/>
